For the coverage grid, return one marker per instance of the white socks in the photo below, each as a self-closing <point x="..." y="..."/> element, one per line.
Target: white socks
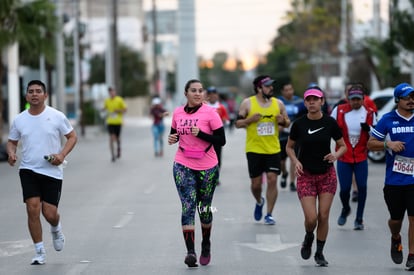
<point x="55" y="228"/>
<point x="39" y="246"/>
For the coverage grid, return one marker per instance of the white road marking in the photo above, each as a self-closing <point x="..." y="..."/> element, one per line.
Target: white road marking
<point x="85" y="262"/>
<point x="77" y="269"/>
<point x="15" y="248"/>
<point x="269" y="243"/>
<point x="125" y="219"/>
<point x="150" y="189"/>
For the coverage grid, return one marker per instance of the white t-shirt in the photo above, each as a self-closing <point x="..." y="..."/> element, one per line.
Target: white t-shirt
<point x="353" y="120"/>
<point x="40" y="135"/>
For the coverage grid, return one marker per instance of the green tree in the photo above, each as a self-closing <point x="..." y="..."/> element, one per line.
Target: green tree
<point x="219" y="73"/>
<point x="133" y="72"/>
<point x="97" y="73"/>
<point x="29" y="24"/>
<point x="381" y="55"/>
<point x="403" y="28"/>
<point x="313" y="28"/>
<point x="278" y="63"/>
<point x="311" y="33"/>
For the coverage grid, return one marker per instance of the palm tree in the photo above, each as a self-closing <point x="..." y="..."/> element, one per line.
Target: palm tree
<point x="31" y="24"/>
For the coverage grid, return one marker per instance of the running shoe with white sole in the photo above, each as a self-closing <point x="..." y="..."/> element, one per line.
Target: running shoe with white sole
<point x="40" y="257"/>
<point x="409" y="266"/>
<point x="58" y="240"/>
<point x="396" y="251"/>
<point x="358" y="225"/>
<point x="320" y="259"/>
<point x="268" y="220"/>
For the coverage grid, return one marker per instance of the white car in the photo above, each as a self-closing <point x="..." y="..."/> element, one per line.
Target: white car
<point x="384" y="100"/>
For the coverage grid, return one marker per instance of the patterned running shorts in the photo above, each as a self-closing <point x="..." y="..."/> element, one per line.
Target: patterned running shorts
<point x="312" y="185"/>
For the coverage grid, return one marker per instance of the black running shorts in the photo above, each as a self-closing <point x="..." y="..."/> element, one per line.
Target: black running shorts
<point x="260" y="163"/>
<point x="37" y="185"/>
<point x="399" y="198"/>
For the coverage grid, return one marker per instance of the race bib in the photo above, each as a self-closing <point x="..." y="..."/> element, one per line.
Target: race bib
<point x="403" y="165"/>
<point x="353" y="139"/>
<point x="265" y="129"/>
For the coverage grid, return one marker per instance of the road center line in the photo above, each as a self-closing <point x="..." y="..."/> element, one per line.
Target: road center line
<point x="125" y="219"/>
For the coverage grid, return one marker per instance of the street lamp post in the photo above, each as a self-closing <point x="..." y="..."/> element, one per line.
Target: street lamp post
<point x="156" y="75"/>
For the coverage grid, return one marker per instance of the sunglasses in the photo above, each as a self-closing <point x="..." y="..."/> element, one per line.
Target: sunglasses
<point x="408" y="97"/>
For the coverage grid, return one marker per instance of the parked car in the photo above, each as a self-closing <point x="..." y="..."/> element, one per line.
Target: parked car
<point x="384" y="100"/>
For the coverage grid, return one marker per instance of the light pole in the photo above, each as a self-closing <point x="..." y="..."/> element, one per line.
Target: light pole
<point x="343" y="65"/>
<point x="60" y="61"/>
<point x="156" y="75"/>
<point x="187" y="66"/>
<point x="77" y="71"/>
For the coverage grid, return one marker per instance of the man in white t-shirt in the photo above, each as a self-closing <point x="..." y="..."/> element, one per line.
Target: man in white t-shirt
<point x="39" y="130"/>
<point x="355" y="121"/>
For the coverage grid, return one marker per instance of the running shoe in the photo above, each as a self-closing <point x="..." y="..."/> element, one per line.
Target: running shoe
<point x="258" y="210"/>
<point x="320" y="260"/>
<point x="191" y="260"/>
<point x="410" y="263"/>
<point x="358" y="225"/>
<point x="40" y="257"/>
<point x="396" y="251"/>
<point x="292" y="187"/>
<point x="58" y="240"/>
<point x="306" y="250"/>
<point x="355" y="196"/>
<point x="205" y="253"/>
<point x="283" y="180"/>
<point x="344" y="214"/>
<point x="268" y="219"/>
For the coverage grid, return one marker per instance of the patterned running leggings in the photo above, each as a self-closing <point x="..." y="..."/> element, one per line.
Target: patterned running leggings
<point x="195" y="189"/>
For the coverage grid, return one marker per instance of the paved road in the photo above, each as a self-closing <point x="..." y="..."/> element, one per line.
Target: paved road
<point x="124" y="218"/>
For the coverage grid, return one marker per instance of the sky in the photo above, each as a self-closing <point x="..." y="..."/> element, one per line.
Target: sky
<point x="245" y="28"/>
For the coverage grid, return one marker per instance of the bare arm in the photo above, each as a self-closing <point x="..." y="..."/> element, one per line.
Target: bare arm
<point x="242" y="120"/>
<point x="282" y="119"/>
<point x="332" y="157"/>
<point x="71" y="140"/>
<point x="379" y="145"/>
<point x="11" y="151"/>
<point x="290" y="151"/>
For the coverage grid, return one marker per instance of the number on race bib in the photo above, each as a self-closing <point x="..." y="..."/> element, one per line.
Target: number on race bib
<point x="403" y="165"/>
<point x="265" y="129"/>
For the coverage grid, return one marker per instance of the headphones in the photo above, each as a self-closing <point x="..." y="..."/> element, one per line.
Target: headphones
<point x="396" y="99"/>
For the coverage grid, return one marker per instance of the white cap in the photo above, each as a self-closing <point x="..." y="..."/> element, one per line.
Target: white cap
<point x="156" y="100"/>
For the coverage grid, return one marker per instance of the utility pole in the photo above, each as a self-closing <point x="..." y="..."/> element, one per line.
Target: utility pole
<point x="187" y="67"/>
<point x="112" y="56"/>
<point x="60" y="61"/>
<point x="13" y="81"/>
<point x="79" y="104"/>
<point x="343" y="65"/>
<point x="156" y="75"/>
<point x="377" y="34"/>
<point x="377" y="18"/>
